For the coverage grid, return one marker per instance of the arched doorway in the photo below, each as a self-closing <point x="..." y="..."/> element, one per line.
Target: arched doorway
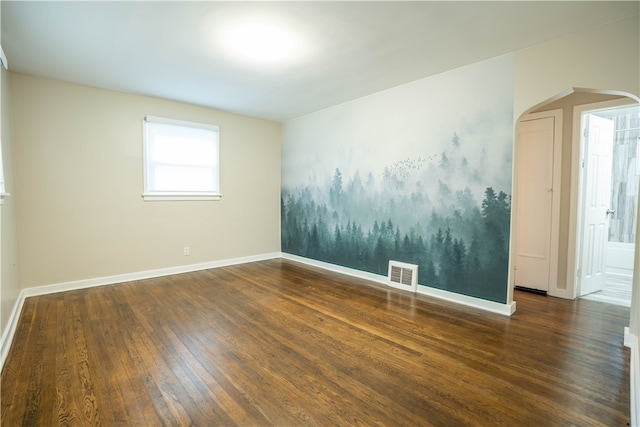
<point x="604" y="265"/>
<point x="564" y="284"/>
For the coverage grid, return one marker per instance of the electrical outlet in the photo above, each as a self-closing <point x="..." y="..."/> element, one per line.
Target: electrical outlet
<point x="185" y="251"/>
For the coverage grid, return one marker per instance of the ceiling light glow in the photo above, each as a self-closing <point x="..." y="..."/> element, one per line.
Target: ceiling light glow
<point x="260" y="42"/>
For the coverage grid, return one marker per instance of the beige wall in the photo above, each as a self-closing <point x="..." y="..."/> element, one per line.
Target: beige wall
<point x="78" y="165"/>
<point x="606" y="58"/>
<point x="9" y="283"/>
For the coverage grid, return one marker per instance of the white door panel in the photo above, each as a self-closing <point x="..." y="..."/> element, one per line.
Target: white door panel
<point x="597" y="199"/>
<point x="534" y="203"/>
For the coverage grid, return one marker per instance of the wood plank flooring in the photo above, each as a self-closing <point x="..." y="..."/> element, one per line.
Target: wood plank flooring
<point x="279" y="343"/>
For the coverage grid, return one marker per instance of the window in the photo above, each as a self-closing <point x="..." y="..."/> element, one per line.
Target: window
<point x="181" y="160"/>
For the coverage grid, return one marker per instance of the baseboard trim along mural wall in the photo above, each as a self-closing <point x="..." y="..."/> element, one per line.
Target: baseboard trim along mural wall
<point x="420" y="174"/>
<point x="479" y="303"/>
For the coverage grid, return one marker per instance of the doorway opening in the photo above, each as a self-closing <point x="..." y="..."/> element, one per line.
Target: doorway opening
<point x="566" y="249"/>
<point x="607" y="216"/>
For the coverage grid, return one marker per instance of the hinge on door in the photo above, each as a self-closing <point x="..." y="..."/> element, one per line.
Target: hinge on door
<point x="586" y="132"/>
<point x="582" y="163"/>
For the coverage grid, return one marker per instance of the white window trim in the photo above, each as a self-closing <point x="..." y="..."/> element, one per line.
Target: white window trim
<point x="176" y="195"/>
<point x="160" y="197"/>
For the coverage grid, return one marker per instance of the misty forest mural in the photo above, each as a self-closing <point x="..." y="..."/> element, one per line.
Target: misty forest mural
<point x="420" y="173"/>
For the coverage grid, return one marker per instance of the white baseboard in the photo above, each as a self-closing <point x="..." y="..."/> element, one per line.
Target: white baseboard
<point x="10" y="330"/>
<point x="631" y="341"/>
<point x="149" y="274"/>
<point x="629" y="338"/>
<point x="338" y="268"/>
<point x="494" y="307"/>
<point x="506" y="309"/>
<point x="8" y="333"/>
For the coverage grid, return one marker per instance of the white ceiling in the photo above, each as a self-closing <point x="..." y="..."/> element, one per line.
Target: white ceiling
<point x="170" y="49"/>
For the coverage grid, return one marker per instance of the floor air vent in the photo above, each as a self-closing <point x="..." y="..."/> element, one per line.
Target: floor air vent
<point x="403" y="276"/>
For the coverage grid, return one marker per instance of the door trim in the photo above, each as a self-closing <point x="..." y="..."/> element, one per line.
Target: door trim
<point x="555" y="199"/>
<point x="576" y="196"/>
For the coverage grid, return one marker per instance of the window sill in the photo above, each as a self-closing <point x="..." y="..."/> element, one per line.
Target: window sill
<point x="164" y="197"/>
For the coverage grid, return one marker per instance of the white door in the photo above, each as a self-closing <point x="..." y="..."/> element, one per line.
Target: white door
<point x="597" y="198"/>
<point x="534" y="202"/>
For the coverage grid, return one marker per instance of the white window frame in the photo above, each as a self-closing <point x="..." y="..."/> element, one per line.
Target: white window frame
<point x="150" y="194"/>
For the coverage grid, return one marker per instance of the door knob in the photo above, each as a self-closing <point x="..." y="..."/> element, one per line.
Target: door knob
<point x="610" y="211"/>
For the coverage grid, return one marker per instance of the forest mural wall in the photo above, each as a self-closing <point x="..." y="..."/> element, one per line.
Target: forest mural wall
<point x="420" y="173"/>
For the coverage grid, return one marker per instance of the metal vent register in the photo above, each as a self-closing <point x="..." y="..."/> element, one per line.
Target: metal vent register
<point x="403" y="276"/>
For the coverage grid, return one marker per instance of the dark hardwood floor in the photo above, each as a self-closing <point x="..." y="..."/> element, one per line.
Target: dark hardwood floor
<point x="278" y="343"/>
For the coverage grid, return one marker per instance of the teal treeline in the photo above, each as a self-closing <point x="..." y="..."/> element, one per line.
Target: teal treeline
<point x="460" y="246"/>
